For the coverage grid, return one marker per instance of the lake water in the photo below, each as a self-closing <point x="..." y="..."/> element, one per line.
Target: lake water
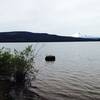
<point x="75" y="75"/>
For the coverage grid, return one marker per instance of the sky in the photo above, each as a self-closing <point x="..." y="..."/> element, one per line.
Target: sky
<point x="62" y="17"/>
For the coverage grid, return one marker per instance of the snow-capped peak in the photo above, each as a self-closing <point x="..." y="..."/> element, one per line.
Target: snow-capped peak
<point x="86" y="35"/>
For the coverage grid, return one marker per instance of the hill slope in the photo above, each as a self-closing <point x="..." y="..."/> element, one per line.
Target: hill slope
<point x="21" y="36"/>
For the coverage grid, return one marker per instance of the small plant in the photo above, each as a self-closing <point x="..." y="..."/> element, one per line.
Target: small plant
<point x="17" y="64"/>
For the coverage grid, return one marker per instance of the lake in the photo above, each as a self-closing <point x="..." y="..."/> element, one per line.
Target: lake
<point x="75" y="75"/>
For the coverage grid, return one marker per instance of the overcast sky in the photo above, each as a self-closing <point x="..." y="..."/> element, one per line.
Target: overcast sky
<point x="53" y="16"/>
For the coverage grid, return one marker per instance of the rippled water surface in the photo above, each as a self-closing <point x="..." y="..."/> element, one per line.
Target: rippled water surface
<point x="75" y="75"/>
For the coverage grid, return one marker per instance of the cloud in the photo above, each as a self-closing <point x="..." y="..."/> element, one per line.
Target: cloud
<point x="54" y="16"/>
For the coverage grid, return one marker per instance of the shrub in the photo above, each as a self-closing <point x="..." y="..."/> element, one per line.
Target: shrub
<point x="17" y="63"/>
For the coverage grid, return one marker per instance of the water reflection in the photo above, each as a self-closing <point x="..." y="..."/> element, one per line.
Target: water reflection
<point x="16" y="91"/>
<point x="5" y="90"/>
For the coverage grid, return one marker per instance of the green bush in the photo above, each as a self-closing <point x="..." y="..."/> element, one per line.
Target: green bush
<point x="17" y="61"/>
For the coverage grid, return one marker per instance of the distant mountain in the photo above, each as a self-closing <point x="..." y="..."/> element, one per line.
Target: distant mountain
<point x="23" y="36"/>
<point x="80" y="35"/>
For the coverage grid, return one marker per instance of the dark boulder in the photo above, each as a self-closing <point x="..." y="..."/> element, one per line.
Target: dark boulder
<point x="50" y="58"/>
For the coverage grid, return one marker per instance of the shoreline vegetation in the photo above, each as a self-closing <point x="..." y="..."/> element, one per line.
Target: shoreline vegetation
<point x="17" y="70"/>
<point x="24" y="36"/>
